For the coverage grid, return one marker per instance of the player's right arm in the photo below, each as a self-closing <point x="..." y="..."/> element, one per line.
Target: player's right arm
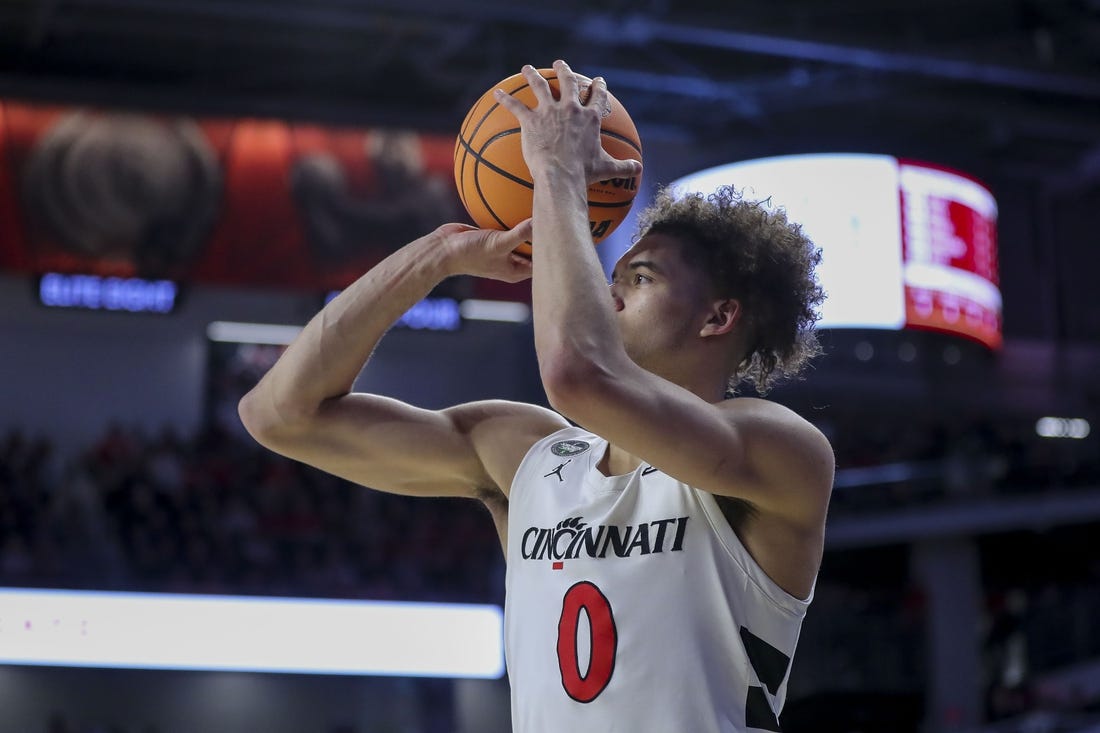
<point x="303" y="408"/>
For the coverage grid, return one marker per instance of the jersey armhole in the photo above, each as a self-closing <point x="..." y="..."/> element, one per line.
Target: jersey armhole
<point x="737" y="551"/>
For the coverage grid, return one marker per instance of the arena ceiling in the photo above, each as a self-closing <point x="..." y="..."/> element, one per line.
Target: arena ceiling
<point x="1007" y="89"/>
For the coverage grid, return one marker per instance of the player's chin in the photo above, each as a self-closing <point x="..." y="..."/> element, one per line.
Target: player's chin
<point x="636" y="355"/>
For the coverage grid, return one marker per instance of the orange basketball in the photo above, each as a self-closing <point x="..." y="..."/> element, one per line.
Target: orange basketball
<point x="494" y="181"/>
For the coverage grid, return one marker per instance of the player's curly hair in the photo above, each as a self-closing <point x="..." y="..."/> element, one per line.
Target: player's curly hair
<point x="751" y="252"/>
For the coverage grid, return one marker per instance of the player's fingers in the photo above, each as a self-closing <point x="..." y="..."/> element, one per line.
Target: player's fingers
<point x="510" y="103"/>
<point x="521" y="232"/>
<point x="521" y="267"/>
<point x="455" y="227"/>
<point x="539" y="86"/>
<point x="507" y="240"/>
<point x="598" y="97"/>
<point x="567" y="81"/>
<point x="609" y="167"/>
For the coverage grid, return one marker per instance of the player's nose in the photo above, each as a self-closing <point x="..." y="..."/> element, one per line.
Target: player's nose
<point x="615" y="295"/>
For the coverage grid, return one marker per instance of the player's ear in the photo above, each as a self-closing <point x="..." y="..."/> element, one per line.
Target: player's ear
<point x="723" y="316"/>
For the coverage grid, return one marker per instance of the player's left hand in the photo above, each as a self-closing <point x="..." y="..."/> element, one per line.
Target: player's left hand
<point x="485" y="252"/>
<point x="563" y="132"/>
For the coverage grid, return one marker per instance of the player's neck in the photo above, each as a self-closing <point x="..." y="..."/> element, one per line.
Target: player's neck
<point x="618" y="462"/>
<point x="709" y="387"/>
<point x="701" y="374"/>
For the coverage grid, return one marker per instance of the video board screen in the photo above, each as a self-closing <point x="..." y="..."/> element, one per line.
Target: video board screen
<point x="905" y="244"/>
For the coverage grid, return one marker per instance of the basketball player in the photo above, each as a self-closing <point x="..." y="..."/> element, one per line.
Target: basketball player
<point x="662" y="540"/>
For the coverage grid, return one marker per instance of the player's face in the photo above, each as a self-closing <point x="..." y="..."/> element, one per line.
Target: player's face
<point x="660" y="300"/>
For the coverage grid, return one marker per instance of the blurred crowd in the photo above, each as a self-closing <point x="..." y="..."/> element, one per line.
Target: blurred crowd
<point x="218" y="514"/>
<point x="887" y="461"/>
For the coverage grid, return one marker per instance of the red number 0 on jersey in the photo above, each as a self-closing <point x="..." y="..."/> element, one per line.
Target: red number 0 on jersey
<point x="586" y="687"/>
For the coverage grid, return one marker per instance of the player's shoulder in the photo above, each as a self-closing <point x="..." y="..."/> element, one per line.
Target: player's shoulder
<point x="502" y="432"/>
<point x="790" y="461"/>
<point x="772" y="423"/>
<point x="765" y="410"/>
<point x="524" y="417"/>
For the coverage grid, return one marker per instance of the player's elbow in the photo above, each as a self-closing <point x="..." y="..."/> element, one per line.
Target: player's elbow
<point x="256" y="418"/>
<point x="264" y="420"/>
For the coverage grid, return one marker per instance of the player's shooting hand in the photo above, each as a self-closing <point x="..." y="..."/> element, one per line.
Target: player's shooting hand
<point x="486" y="252"/>
<point x="564" y="132"/>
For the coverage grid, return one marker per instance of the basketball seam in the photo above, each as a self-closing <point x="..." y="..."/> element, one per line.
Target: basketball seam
<point x="466" y="148"/>
<point x="479" y="159"/>
<point x="621" y="138"/>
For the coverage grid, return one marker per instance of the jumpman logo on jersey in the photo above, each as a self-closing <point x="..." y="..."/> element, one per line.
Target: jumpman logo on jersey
<point x="557" y="471"/>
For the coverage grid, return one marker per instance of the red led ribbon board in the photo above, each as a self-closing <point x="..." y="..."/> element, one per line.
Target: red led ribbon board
<point x="949" y="250"/>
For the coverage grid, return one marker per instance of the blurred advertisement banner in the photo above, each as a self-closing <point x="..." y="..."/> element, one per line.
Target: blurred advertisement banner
<point x="245" y="202"/>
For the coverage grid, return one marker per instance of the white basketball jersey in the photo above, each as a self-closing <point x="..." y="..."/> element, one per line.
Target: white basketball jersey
<point x="632" y="606"/>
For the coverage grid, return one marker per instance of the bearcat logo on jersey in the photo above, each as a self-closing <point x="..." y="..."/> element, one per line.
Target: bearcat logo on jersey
<point x="572" y="538"/>
<point x="567" y="448"/>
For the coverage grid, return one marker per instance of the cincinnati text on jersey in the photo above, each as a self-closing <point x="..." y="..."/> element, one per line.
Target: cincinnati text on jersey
<point x="571" y="539"/>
